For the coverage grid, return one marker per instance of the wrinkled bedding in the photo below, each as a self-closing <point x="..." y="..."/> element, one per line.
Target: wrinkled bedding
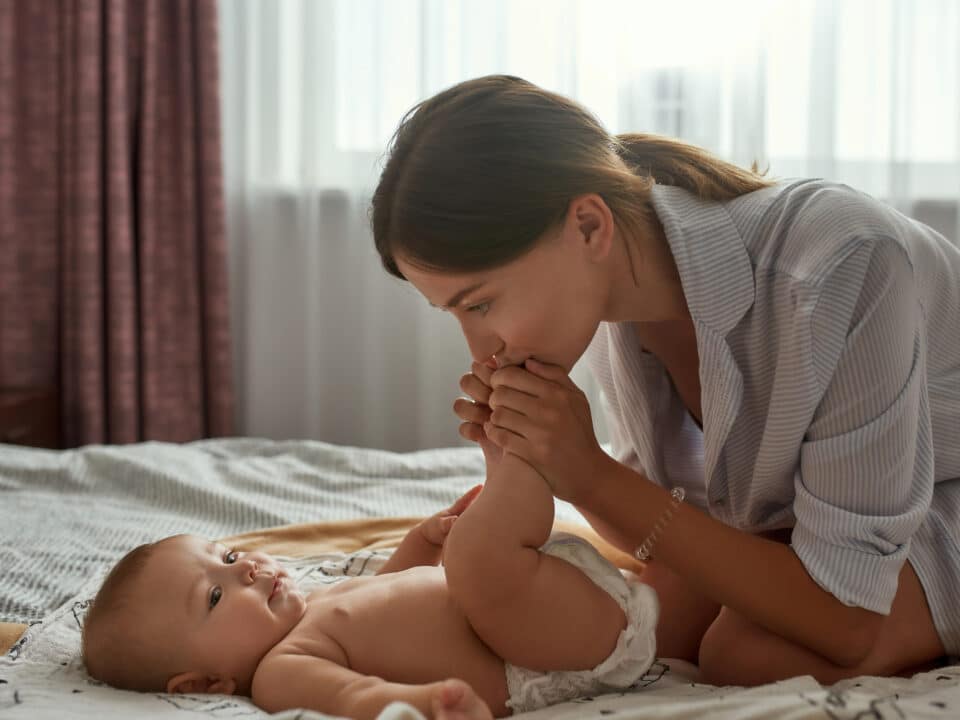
<point x="67" y="516"/>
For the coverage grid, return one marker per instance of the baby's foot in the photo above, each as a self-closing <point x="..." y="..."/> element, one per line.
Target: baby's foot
<point x="456" y="700"/>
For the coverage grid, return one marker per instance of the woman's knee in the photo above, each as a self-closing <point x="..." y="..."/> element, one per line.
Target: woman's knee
<point x="717" y="655"/>
<point x="734" y="651"/>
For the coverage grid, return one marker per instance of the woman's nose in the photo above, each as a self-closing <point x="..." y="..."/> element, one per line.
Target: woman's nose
<point x="482" y="347"/>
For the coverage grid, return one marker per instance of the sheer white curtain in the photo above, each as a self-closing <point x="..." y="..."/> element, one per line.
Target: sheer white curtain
<point x="329" y="347"/>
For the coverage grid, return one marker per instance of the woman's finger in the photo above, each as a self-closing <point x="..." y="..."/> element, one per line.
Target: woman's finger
<point x="475" y="387"/>
<point x="469" y="411"/>
<point x="508" y="397"/>
<point x="471" y="431"/>
<point x="553" y="373"/>
<point x="519" y="378"/>
<point x="507" y="419"/>
<point x="508" y="440"/>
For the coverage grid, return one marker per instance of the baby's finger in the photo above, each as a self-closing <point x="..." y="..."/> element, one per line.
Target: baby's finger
<point x="439" y="527"/>
<point x="463" y="502"/>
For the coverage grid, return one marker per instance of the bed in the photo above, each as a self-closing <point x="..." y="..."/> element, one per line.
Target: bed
<point x="327" y="510"/>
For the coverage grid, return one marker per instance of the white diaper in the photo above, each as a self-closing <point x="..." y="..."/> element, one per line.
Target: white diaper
<point x="630" y="659"/>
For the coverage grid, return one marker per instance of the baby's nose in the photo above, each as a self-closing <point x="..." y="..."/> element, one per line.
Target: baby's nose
<point x="250" y="569"/>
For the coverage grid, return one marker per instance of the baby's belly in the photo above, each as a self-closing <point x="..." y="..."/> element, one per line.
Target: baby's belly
<point x="404" y="627"/>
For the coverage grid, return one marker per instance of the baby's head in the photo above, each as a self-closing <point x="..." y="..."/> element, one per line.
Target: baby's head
<point x="187" y="615"/>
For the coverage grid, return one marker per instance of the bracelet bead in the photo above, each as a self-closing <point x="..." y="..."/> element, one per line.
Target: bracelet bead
<point x="644" y="552"/>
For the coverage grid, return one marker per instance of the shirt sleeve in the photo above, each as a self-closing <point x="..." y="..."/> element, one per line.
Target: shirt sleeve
<point x="865" y="477"/>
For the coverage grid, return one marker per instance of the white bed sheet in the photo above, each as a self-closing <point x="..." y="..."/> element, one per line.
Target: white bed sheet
<point x="66" y="517"/>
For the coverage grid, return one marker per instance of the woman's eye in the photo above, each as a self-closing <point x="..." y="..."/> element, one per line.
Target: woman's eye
<point x="481" y="308"/>
<point x="215" y="596"/>
<point x="231" y="557"/>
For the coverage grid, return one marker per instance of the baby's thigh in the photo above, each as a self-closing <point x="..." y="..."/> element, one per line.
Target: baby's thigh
<point x="557" y="619"/>
<point x="685" y="614"/>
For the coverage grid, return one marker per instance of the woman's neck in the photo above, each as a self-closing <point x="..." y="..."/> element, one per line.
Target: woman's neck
<point x="646" y="283"/>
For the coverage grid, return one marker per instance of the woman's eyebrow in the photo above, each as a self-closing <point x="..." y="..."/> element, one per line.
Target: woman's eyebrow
<point x="455" y="300"/>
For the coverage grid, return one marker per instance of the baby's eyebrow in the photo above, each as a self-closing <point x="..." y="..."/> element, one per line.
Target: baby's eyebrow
<point x="192" y="592"/>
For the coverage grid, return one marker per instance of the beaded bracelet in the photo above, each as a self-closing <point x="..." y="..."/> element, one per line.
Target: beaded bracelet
<point x="642" y="553"/>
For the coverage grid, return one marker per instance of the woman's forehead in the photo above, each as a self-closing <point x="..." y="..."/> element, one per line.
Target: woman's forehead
<point x="444" y="288"/>
<point x="439" y="286"/>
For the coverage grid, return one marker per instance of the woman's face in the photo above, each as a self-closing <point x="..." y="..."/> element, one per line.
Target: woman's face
<point x="546" y="304"/>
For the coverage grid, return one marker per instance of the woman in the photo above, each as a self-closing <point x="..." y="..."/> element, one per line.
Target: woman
<point x="781" y="363"/>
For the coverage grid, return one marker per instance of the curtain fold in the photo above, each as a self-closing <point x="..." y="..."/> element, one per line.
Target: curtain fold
<point x="113" y="287"/>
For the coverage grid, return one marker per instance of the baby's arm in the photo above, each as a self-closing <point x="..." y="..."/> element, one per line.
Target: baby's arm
<point x="423" y="545"/>
<point x="287" y="681"/>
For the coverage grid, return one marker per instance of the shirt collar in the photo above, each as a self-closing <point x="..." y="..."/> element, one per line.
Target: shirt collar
<point x="714" y="266"/>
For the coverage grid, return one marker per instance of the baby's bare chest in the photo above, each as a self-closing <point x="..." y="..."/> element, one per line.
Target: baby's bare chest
<point x="403" y="627"/>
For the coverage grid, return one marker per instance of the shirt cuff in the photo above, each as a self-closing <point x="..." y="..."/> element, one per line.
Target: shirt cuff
<point x="855" y="576"/>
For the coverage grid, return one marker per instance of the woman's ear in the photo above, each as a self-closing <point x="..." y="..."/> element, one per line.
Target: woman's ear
<point x="594" y="225"/>
<point x="194" y="682"/>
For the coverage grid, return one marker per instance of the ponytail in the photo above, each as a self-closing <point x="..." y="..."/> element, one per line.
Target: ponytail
<point x="673" y="162"/>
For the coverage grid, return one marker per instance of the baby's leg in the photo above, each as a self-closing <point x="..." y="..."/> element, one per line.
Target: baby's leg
<point x="532" y="609"/>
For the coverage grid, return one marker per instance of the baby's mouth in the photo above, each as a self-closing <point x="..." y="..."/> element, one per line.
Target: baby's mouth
<point x="277" y="582"/>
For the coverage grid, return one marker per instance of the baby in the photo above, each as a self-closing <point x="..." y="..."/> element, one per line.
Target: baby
<point x="513" y="621"/>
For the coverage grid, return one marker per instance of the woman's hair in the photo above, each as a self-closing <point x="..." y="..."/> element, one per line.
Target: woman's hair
<point x="477" y="173"/>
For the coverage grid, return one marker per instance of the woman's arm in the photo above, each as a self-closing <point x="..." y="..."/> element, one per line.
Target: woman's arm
<point x="761" y="579"/>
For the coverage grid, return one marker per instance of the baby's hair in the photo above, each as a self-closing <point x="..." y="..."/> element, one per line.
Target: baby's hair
<point x="114" y="645"/>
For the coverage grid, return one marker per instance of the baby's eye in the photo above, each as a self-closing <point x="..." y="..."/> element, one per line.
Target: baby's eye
<point x="231" y="557"/>
<point x="481" y="308"/>
<point x="215" y="596"/>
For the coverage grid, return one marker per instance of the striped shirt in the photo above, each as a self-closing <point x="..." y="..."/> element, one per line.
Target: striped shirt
<point x="828" y="330"/>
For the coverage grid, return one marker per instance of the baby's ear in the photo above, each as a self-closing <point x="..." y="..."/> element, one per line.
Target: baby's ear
<point x="198" y="683"/>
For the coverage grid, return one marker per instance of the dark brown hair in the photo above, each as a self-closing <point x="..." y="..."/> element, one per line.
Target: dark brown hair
<point x="477" y="173"/>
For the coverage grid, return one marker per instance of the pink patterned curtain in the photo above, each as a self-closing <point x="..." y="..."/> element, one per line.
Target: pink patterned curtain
<point x="112" y="242"/>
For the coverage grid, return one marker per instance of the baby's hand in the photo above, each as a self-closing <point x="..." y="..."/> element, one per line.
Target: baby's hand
<point x="456" y="700"/>
<point x="436" y="527"/>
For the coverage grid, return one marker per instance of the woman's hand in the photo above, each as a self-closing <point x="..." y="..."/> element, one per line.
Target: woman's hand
<point x="475" y="411"/>
<point x="538" y="413"/>
<point x="436" y="527"/>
